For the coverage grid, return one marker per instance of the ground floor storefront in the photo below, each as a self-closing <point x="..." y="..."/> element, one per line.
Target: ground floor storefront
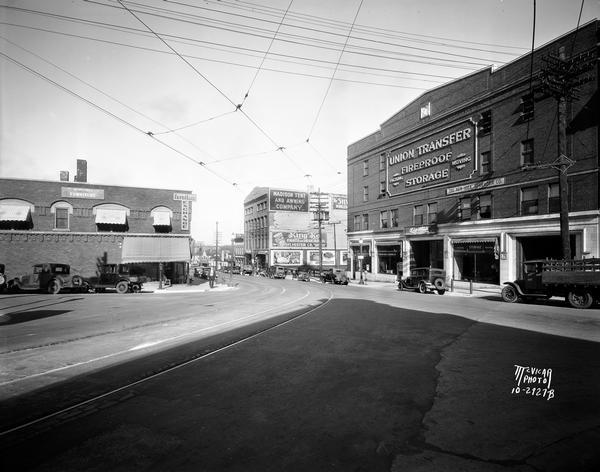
<point x="484" y="251"/>
<point x="294" y="258"/>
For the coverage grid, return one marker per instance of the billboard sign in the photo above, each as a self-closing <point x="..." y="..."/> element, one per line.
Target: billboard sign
<point x="300" y="239"/>
<point x="444" y="157"/>
<point x="286" y="257"/>
<point x="339" y="202"/>
<point x="288" y="200"/>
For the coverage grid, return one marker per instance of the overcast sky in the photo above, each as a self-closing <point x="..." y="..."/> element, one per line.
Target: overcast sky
<point x="149" y="91"/>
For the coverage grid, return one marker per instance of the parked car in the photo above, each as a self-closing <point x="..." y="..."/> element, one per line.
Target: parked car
<point x="247" y="269"/>
<point x="424" y="279"/>
<point x="303" y="276"/>
<point x="337" y="277"/>
<point x="118" y="277"/>
<point x="49" y="277"/>
<point x="236" y="270"/>
<point x="2" y="279"/>
<point x="279" y="273"/>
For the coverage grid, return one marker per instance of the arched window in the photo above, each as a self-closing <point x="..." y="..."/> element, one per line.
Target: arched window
<point x="111" y="217"/>
<point x="61" y="211"/>
<point x="162" y="217"/>
<point x="16" y="214"/>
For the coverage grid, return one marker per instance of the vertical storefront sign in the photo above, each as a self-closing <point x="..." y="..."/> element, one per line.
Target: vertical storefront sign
<point x="185" y="214"/>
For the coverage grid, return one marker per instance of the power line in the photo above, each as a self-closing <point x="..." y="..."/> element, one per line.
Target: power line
<point x="111" y="114"/>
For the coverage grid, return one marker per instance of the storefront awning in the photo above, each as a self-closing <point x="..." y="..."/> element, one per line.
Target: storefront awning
<point x="14" y="212"/>
<point x="161" y="218"/>
<point x="137" y="249"/>
<point x="474" y="240"/>
<point x="106" y="216"/>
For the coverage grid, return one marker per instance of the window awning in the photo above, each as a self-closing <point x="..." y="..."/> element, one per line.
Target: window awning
<point x="14" y="212"/>
<point x="107" y="216"/>
<point x="137" y="249"/>
<point x="161" y="218"/>
<point x="474" y="240"/>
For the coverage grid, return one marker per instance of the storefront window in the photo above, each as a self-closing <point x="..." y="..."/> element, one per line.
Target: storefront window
<point x="389" y="258"/>
<point x="476" y="261"/>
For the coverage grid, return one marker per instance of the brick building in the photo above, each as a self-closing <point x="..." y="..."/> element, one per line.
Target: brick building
<point x="87" y="225"/>
<point x="281" y="228"/>
<point x="454" y="180"/>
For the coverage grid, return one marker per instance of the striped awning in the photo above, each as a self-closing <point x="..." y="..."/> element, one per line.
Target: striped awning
<point x="14" y="212"/>
<point x="138" y="249"/>
<point x="107" y="216"/>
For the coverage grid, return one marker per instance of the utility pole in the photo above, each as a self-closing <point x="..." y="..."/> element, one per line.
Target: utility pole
<point x="320" y="217"/>
<point x="217" y="246"/>
<point x="559" y="77"/>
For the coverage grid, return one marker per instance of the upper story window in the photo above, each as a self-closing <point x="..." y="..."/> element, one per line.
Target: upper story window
<point x="366" y="193"/>
<point x="394" y="217"/>
<point x="486" y="162"/>
<point x="357" y="222"/>
<point x="464" y="209"/>
<point x="383" y="219"/>
<point x="111" y="217"/>
<point x="484" y="207"/>
<point x="365" y="221"/>
<point x="485" y="123"/>
<point x="527" y="156"/>
<point x="529" y="201"/>
<point x="526" y="107"/>
<point x="365" y="168"/>
<point x="61" y="211"/>
<point x="382" y="189"/>
<point x="425" y="110"/>
<point x="162" y="217"/>
<point x="418" y="215"/>
<point x="16" y="214"/>
<point x="432" y="209"/>
<point x="382" y="162"/>
<point x="553" y="198"/>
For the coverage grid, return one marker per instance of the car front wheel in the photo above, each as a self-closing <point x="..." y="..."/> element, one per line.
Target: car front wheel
<point x="53" y="287"/>
<point x="509" y="294"/>
<point x="422" y="287"/>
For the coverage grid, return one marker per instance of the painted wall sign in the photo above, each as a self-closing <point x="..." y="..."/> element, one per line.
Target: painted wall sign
<point x="419" y="230"/>
<point x="286" y="257"/>
<point x="300" y="239"/>
<point x="339" y="202"/>
<point x="185" y="215"/>
<point x="475" y="186"/>
<point x="444" y="157"/>
<point x="288" y="200"/>
<point x="90" y="193"/>
<point x="191" y="197"/>
<point x="328" y="257"/>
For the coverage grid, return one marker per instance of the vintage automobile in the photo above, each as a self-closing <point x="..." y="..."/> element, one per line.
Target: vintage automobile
<point x="49" y="277"/>
<point x="279" y="273"/>
<point x="303" y="276"/>
<point x="2" y="279"/>
<point x="337" y="277"/>
<point x="117" y="277"/>
<point x="424" y="279"/>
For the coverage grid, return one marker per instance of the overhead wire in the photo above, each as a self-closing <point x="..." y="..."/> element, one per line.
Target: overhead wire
<point x="111" y="114"/>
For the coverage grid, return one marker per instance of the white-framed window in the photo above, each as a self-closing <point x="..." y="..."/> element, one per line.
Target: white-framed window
<point x="383" y="219"/>
<point x="418" y="215"/>
<point x="485" y="160"/>
<point x="425" y="110"/>
<point x="529" y="201"/>
<point x="365" y="168"/>
<point x="357" y="222"/>
<point x="365" y="193"/>
<point x="62" y="211"/>
<point x="464" y="209"/>
<point x="394" y="217"/>
<point x="527" y="156"/>
<point x="432" y="209"/>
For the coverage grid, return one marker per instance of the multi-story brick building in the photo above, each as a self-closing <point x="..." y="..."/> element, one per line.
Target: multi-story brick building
<point x="87" y="225"/>
<point x="281" y="228"/>
<point x="454" y="179"/>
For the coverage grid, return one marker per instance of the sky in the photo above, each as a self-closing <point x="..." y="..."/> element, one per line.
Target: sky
<point x="217" y="97"/>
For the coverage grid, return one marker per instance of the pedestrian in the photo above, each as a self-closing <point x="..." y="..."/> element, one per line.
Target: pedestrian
<point x="211" y="277"/>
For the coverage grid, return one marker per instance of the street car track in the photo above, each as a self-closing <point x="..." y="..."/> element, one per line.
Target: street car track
<point x="71" y="411"/>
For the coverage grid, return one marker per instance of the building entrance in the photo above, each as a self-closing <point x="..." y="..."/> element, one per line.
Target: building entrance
<point x="427" y="254"/>
<point x="476" y="261"/>
<point x="542" y="247"/>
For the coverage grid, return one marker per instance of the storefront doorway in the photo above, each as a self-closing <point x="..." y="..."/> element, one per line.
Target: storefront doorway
<point x="427" y="254"/>
<point x="476" y="261"/>
<point x="388" y="258"/>
<point x="542" y="247"/>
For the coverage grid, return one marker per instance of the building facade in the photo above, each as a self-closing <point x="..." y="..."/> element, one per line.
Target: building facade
<point x="281" y="228"/>
<point x="466" y="177"/>
<point x="86" y="226"/>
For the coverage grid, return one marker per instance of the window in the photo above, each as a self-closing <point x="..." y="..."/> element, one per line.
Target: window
<point x="381" y="162"/>
<point x="366" y="193"/>
<point x="394" y="217"/>
<point x="61" y="218"/>
<point x="486" y="162"/>
<point x="527" y="152"/>
<point x="365" y="222"/>
<point x="365" y="168"/>
<point x="529" y="201"/>
<point x="418" y="215"/>
<point x="484" y="207"/>
<point x="526" y="107"/>
<point x="357" y="221"/>
<point x="553" y="198"/>
<point x="382" y="191"/>
<point x="485" y="123"/>
<point x="432" y="213"/>
<point x="464" y="209"/>
<point x="426" y="110"/>
<point x="383" y="219"/>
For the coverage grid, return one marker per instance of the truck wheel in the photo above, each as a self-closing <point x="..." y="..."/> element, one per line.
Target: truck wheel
<point x="509" y="294"/>
<point x="580" y="299"/>
<point x="122" y="287"/>
<point x="422" y="287"/>
<point x="53" y="287"/>
<point x="439" y="284"/>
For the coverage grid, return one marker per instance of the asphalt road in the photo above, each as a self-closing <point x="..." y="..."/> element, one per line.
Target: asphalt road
<point x="371" y="380"/>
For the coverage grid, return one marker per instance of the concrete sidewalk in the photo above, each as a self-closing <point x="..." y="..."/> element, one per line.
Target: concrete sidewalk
<point x="220" y="285"/>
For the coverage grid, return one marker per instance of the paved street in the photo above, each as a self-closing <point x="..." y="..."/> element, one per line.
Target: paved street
<point x="374" y="379"/>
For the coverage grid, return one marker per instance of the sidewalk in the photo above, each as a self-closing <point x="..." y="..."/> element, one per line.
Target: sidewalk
<point x="220" y="285"/>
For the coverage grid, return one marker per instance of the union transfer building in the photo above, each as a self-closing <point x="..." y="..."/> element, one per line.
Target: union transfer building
<point x="466" y="177"/>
